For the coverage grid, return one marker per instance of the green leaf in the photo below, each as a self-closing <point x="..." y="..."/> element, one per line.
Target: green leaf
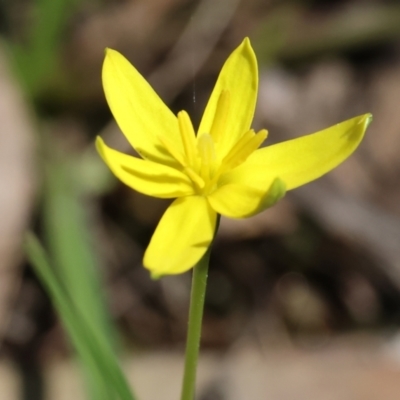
<point x="94" y="351"/>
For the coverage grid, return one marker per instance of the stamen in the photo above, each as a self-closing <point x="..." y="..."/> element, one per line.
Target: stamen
<point x="220" y="116"/>
<point x="248" y="143"/>
<point x="188" y="137"/>
<point x="206" y="149"/>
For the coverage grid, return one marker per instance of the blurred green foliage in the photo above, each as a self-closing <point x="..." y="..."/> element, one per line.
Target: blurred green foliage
<point x="71" y="273"/>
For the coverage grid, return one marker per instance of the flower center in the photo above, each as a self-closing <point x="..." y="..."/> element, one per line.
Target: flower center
<point x="206" y="157"/>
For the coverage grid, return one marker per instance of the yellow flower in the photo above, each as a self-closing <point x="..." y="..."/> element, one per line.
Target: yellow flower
<point x="221" y="170"/>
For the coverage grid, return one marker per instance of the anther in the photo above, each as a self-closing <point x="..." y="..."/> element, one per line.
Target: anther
<point x="188" y="137"/>
<point x="206" y="150"/>
<point x="246" y="145"/>
<point x="220" y="116"/>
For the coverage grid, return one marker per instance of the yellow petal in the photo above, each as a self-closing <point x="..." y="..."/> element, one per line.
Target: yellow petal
<point x="301" y="160"/>
<point x="240" y="201"/>
<point x="239" y="79"/>
<point x="145" y="176"/>
<point x="182" y="237"/>
<point x="140" y="113"/>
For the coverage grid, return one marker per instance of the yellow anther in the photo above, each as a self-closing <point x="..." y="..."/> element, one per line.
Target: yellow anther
<point x="188" y="137"/>
<point x="220" y="116"/>
<point x="263" y="132"/>
<point x="206" y="151"/>
<point x="237" y="150"/>
<point x="259" y="139"/>
<point x="246" y="145"/>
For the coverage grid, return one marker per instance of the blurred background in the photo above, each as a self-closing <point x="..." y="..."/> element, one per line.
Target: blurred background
<point x="303" y="300"/>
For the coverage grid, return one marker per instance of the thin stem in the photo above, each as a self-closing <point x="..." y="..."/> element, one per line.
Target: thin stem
<point x="199" y="283"/>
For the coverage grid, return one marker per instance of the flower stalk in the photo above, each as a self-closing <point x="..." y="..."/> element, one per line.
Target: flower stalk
<point x="199" y="284"/>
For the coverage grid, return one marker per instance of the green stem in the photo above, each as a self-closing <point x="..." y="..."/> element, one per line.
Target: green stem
<point x="199" y="283"/>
